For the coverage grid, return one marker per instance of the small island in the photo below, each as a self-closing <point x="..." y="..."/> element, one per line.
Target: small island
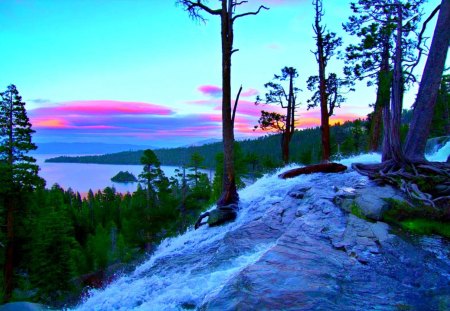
<point x="124" y="177"/>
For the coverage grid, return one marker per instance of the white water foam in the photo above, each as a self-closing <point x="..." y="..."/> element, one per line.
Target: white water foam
<point x="164" y="282"/>
<point x="440" y="155"/>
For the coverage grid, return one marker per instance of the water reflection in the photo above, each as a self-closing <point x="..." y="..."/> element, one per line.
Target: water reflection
<point x="82" y="177"/>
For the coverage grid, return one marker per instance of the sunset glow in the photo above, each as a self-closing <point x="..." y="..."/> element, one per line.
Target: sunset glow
<point x="121" y="75"/>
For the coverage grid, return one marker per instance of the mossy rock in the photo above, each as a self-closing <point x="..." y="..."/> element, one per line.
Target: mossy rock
<point x="221" y="215"/>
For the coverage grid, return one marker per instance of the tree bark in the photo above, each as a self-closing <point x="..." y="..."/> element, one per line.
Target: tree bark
<point x="290" y="119"/>
<point x="229" y="191"/>
<point x="397" y="92"/>
<point x="429" y="87"/>
<point x="324" y="120"/>
<point x="382" y="100"/>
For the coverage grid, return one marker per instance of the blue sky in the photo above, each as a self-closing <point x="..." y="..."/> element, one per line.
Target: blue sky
<point x="142" y="72"/>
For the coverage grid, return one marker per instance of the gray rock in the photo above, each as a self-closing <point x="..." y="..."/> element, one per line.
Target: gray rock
<point x="371" y="200"/>
<point x="298" y="255"/>
<point x="381" y="231"/>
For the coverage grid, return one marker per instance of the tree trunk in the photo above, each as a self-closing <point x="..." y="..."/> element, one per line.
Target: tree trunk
<point x="324" y="120"/>
<point x="383" y="95"/>
<point x="397" y="93"/>
<point x="229" y="191"/>
<point x="9" y="254"/>
<point x="429" y="86"/>
<point x="386" y="149"/>
<point x="376" y="126"/>
<point x="290" y="119"/>
<point x="285" y="147"/>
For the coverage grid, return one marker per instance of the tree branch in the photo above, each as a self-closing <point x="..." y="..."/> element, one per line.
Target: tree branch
<point x="249" y="13"/>
<point x="419" y="42"/>
<point x="193" y="7"/>
<point x="239" y="3"/>
<point x="235" y="106"/>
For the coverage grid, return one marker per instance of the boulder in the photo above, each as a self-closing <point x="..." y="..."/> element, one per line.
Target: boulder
<point x="218" y="216"/>
<point x="222" y="215"/>
<point x="371" y="201"/>
<point x="318" y="168"/>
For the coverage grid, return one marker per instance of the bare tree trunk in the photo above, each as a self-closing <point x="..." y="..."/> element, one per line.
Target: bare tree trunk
<point x="429" y="87"/>
<point x="397" y="92"/>
<point x="290" y="119"/>
<point x="383" y="95"/>
<point x="324" y="120"/>
<point x="229" y="191"/>
<point x="386" y="149"/>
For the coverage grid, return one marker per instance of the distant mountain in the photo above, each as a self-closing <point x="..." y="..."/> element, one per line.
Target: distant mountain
<point x="205" y="142"/>
<point x="86" y="148"/>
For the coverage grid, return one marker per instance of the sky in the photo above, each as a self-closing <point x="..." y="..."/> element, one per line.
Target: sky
<point x="142" y="72"/>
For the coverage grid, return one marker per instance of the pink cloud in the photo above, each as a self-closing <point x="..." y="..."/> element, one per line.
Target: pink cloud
<point x="60" y="123"/>
<point x="250" y="92"/>
<point x="248" y="108"/>
<point x="210" y="90"/>
<point x="105" y="107"/>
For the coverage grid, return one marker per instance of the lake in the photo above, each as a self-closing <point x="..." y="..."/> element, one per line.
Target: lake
<point x="82" y="177"/>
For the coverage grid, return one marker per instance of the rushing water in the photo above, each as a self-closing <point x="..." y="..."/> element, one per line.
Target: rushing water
<point x="197" y="267"/>
<point x="82" y="177"/>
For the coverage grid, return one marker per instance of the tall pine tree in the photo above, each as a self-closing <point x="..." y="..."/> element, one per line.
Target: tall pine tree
<point x="18" y="171"/>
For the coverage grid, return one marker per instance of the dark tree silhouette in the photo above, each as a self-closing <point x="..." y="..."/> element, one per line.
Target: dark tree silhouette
<point x="334" y="88"/>
<point x="429" y="87"/>
<point x="371" y="59"/>
<point x="18" y="171"/>
<point x="326" y="43"/>
<point x="427" y="182"/>
<point x="287" y="99"/>
<point x="227" y="18"/>
<point x="151" y="175"/>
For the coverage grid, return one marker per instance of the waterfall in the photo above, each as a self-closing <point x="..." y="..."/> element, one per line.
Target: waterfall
<point x="441" y="154"/>
<point x="187" y="271"/>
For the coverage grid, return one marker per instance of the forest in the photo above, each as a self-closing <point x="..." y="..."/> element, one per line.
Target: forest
<point x="55" y="244"/>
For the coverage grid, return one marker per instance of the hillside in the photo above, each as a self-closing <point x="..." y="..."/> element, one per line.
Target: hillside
<point x="305" y="148"/>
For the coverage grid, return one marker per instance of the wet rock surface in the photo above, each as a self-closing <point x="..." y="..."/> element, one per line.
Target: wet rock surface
<point x="373" y="201"/>
<point x="327" y="259"/>
<point x="291" y="247"/>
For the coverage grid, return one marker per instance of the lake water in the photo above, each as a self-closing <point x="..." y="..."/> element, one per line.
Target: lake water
<point x="82" y="177"/>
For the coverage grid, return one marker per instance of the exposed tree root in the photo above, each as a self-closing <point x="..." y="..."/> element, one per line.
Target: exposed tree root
<point x="426" y="182"/>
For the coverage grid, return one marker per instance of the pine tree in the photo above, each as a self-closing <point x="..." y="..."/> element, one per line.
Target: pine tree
<point x="287" y="99"/>
<point x="327" y="97"/>
<point x="18" y="171"/>
<point x="371" y="59"/>
<point x="151" y="174"/>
